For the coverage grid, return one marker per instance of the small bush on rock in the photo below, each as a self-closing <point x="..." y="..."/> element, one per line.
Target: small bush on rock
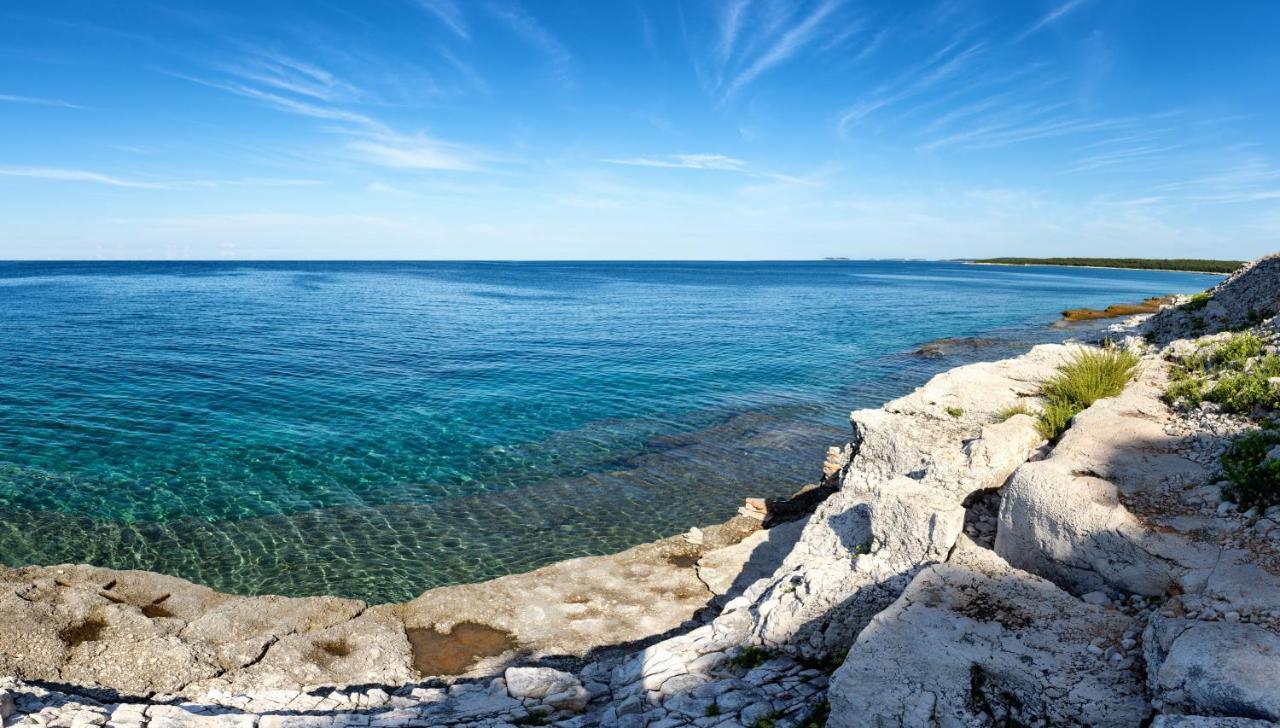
<point x="1238" y="350"/>
<point x="1236" y="375"/>
<point x="1245" y="390"/>
<point x="1254" y="477"/>
<point x="1089" y="377"/>
<point x="1197" y="302"/>
<point x="955" y="412"/>
<point x="747" y="658"/>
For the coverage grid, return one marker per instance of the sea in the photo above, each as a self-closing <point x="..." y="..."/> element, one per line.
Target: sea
<point x="375" y="429"/>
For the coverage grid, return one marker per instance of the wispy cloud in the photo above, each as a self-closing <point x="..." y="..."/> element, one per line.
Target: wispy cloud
<point x="716" y="163"/>
<point x="944" y="64"/>
<point x="290" y="75"/>
<point x="1052" y="17"/>
<point x="36" y="101"/>
<point x="413" y="152"/>
<point x="292" y="105"/>
<point x="730" y="25"/>
<point x="1248" y="179"/>
<point x="368" y="139"/>
<point x="684" y="161"/>
<point x="64" y="174"/>
<point x="783" y="48"/>
<point x="756" y="36"/>
<point x="75" y="175"/>
<point x="449" y="14"/>
<point x="1000" y="134"/>
<point x="536" y="34"/>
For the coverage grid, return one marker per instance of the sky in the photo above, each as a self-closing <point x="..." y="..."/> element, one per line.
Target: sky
<point x="638" y="129"/>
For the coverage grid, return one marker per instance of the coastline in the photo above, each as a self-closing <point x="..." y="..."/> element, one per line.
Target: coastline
<point x="925" y="528"/>
<point x="1096" y="267"/>
<point x="671" y="581"/>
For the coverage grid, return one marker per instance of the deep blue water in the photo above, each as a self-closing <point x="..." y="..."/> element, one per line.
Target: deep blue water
<point x="375" y="429"/>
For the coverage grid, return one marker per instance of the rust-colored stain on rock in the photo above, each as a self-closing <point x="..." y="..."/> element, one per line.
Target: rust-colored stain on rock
<point x="454" y="652"/>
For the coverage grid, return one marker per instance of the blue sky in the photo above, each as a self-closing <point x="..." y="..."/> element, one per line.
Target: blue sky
<point x="719" y="129"/>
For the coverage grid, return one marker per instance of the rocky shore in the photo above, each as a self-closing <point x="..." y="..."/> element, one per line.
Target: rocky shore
<point x="957" y="570"/>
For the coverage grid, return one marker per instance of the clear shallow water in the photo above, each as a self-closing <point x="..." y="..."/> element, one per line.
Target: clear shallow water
<point x="375" y="429"/>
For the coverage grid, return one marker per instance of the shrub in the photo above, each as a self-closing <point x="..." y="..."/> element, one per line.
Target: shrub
<point x="1089" y="377"/>
<point x="1243" y="391"/>
<point x="955" y="412"/>
<point x="1197" y="302"/>
<point x="1237" y="350"/>
<point x="1255" y="479"/>
<point x="1186" y="387"/>
<point x="747" y="658"/>
<point x="1014" y="409"/>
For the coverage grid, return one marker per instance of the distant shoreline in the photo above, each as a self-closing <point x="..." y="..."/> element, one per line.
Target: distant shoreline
<point x="1097" y="267"/>
<point x="1224" y="267"/>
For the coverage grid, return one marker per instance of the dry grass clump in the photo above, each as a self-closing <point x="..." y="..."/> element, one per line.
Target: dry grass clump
<point x="1150" y="305"/>
<point x="1090" y="376"/>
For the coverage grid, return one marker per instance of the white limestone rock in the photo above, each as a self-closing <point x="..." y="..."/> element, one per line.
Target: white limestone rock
<point x="1214" y="668"/>
<point x="538" y="682"/>
<point x="853" y="563"/>
<point x="1244" y="297"/>
<point x="975" y="642"/>
<point x="1064" y="517"/>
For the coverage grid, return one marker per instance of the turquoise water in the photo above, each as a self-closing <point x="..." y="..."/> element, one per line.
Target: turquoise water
<point x="375" y="429"/>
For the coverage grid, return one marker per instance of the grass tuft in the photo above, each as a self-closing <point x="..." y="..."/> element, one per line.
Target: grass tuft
<point x="1012" y="410"/>
<point x="1087" y="378"/>
<point x="955" y="412"/>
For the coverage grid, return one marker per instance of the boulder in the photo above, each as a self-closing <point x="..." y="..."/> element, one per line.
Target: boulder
<point x="977" y="642"/>
<point x="1214" y="668"/>
<point x="1067" y="517"/>
<point x="855" y="557"/>
<point x="538" y="682"/>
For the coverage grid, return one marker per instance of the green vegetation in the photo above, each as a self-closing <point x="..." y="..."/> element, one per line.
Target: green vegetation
<point x="825" y="664"/>
<point x="1087" y="378"/>
<point x="817" y="718"/>
<point x="712" y="710"/>
<point x="1197" y="301"/>
<point x="747" y="658"/>
<point x="955" y="412"/>
<point x="1188" y="264"/>
<point x="1255" y="478"/>
<point x="1239" y="348"/>
<point x="1014" y="409"/>
<point x="768" y="721"/>
<point x="1235" y="375"/>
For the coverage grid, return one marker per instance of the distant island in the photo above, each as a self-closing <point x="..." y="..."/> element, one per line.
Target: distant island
<point x="1184" y="264"/>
